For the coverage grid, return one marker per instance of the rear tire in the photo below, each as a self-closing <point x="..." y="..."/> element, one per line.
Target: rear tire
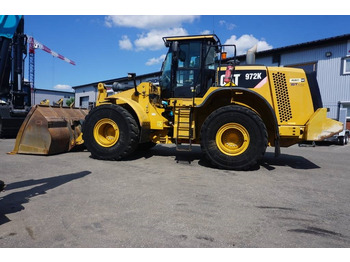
<point x="343" y="140"/>
<point x="110" y="132"/>
<point x="233" y="137"/>
<point x="346" y="139"/>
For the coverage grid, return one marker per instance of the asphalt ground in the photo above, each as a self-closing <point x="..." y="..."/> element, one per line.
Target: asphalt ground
<point x="166" y="198"/>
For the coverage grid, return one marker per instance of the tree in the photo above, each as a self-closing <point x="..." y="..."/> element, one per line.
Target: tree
<point x="70" y="101"/>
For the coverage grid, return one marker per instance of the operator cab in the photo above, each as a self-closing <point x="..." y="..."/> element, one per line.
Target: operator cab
<point x="190" y="65"/>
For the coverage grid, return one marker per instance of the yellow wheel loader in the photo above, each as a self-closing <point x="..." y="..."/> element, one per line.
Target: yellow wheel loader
<point x="234" y="112"/>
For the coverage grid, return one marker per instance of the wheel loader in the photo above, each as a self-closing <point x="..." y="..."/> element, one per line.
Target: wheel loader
<point x="232" y="111"/>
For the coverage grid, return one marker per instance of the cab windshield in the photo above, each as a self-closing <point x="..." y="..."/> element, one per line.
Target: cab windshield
<point x="165" y="79"/>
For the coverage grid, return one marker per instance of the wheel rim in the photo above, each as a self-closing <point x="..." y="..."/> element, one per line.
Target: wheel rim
<point x="106" y="132"/>
<point x="232" y="139"/>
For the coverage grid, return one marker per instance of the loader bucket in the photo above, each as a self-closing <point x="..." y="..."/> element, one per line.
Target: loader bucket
<point x="50" y="130"/>
<point x="319" y="127"/>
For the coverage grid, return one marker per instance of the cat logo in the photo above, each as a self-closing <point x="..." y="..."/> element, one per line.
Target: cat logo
<point x="235" y="79"/>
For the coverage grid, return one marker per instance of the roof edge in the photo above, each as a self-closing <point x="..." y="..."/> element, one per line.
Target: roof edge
<point x="319" y="42"/>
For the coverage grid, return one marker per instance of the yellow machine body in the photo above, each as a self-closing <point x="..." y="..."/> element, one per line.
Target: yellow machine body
<point x="285" y="91"/>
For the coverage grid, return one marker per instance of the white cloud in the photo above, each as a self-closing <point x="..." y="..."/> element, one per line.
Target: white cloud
<point x="125" y="43"/>
<point x="205" y="32"/>
<point x="148" y="21"/>
<point x="155" y="61"/>
<point x="263" y="45"/>
<point x="153" y="39"/>
<point x="63" y="87"/>
<point x="244" y="43"/>
<point x="157" y="26"/>
<point x="229" y="26"/>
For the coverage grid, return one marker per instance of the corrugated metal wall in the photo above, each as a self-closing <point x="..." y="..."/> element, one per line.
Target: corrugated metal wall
<point x="333" y="85"/>
<point x="53" y="96"/>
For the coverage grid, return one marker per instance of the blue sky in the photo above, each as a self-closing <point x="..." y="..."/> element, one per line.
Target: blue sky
<point x="106" y="47"/>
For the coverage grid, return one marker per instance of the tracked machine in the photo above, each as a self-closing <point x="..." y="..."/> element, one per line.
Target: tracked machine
<point x="234" y="112"/>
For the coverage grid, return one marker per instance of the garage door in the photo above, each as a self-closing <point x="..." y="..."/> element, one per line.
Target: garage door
<point x="84" y="101"/>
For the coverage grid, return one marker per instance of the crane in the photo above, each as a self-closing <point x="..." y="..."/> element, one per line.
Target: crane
<point x="34" y="44"/>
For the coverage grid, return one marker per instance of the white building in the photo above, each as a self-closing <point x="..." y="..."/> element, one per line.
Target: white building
<point x="53" y="95"/>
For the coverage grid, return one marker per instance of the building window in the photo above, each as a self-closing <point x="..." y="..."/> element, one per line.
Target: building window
<point x="346" y="104"/>
<point x="346" y="66"/>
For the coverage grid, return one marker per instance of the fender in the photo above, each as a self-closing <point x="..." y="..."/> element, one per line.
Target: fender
<point x="142" y="116"/>
<point x="249" y="98"/>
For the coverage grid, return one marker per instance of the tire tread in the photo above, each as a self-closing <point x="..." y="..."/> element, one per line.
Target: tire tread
<point x="207" y="150"/>
<point x="132" y="127"/>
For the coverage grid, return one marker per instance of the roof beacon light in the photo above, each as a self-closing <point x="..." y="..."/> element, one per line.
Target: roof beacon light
<point x="223" y="55"/>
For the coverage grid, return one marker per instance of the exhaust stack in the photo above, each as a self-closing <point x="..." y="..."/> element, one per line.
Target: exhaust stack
<point x="251" y="55"/>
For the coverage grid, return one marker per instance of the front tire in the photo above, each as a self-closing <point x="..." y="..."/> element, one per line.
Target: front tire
<point x="233" y="137"/>
<point x="110" y="132"/>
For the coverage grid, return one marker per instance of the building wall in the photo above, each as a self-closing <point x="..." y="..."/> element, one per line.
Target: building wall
<point x="334" y="85"/>
<point x="39" y="94"/>
<point x="314" y="54"/>
<point x="86" y="92"/>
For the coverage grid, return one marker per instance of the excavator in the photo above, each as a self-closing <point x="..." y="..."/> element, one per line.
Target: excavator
<point x="232" y="111"/>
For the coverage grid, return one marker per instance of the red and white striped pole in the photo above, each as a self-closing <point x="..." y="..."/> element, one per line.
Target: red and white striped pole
<point x="36" y="44"/>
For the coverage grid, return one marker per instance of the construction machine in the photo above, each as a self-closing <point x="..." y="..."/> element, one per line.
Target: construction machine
<point x="234" y="112"/>
<point x="15" y="100"/>
<point x="41" y="129"/>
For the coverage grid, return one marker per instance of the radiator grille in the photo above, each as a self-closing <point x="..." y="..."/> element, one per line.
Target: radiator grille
<point x="283" y="102"/>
